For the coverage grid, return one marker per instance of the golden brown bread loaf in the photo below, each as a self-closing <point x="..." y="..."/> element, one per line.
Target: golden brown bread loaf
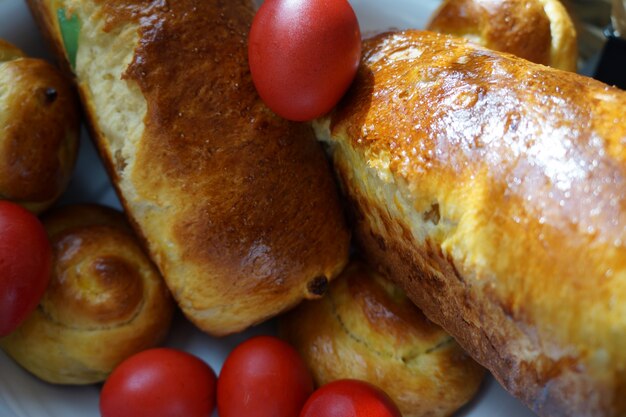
<point x="105" y="302"/>
<point x="493" y="190"/>
<point x="366" y="328"/>
<point x="540" y="31"/>
<point x="39" y="130"/>
<point x="236" y="206"/>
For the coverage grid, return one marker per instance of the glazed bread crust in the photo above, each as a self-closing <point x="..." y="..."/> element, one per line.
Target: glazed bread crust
<point x="493" y="191"/>
<point x="39" y="130"/>
<point x="237" y="206"/>
<point x="105" y="302"/>
<point x="366" y="328"/>
<point x="540" y="31"/>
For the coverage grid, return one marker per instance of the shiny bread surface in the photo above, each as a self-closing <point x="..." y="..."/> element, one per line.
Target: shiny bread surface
<point x="39" y="130"/>
<point x="105" y="301"/>
<point x="493" y="191"/>
<point x="366" y="328"/>
<point x="540" y="31"/>
<point x="237" y="206"/>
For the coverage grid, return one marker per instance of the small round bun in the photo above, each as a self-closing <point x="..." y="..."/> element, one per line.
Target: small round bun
<point x="106" y="300"/>
<point x="367" y="329"/>
<point x="39" y="130"/>
<point x="540" y="31"/>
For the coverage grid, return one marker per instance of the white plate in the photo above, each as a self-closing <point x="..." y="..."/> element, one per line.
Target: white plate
<point x="22" y="395"/>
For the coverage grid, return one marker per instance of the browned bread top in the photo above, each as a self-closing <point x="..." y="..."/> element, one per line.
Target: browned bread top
<point x="209" y="136"/>
<point x="263" y="215"/>
<point x="367" y="328"/>
<point x="101" y="276"/>
<point x="237" y="206"/>
<point x="39" y="130"/>
<point x="443" y="108"/>
<point x="500" y="187"/>
<point x="105" y="301"/>
<point x="540" y="31"/>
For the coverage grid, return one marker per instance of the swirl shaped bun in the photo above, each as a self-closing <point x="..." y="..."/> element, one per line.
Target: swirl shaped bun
<point x="39" y="130"/>
<point x="105" y="302"/>
<point x="366" y="328"/>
